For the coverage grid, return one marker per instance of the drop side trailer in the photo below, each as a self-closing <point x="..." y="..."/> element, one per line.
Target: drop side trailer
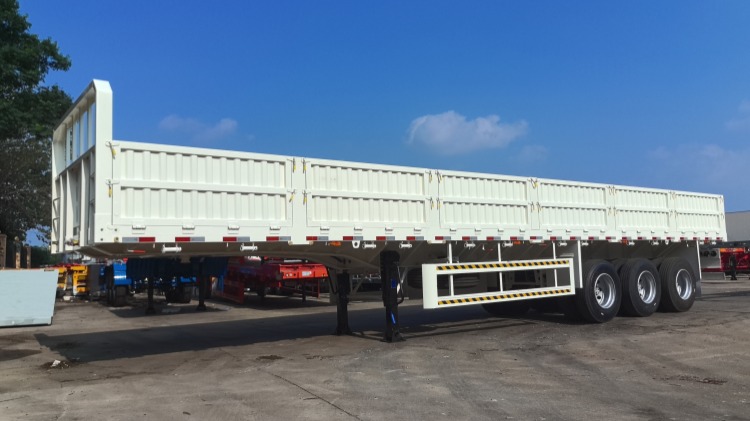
<point x="451" y="238"/>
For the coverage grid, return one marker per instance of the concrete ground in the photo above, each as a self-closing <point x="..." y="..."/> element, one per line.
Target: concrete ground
<point x="278" y="360"/>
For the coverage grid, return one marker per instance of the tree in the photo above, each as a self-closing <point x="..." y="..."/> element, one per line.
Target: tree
<point x="28" y="113"/>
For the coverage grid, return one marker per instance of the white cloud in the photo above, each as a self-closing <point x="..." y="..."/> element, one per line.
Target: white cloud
<point x="451" y="133"/>
<point x="198" y="131"/>
<point x="742" y="122"/>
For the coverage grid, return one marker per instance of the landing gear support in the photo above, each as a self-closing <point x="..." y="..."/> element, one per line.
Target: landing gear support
<point x="390" y="282"/>
<point x="201" y="293"/>
<point x="150" y="307"/>
<point x="342" y="309"/>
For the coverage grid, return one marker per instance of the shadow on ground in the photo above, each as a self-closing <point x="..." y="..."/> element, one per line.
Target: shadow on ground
<point x="367" y="324"/>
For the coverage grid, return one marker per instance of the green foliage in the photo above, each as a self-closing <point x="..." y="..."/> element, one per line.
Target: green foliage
<point x="28" y="114"/>
<point x="41" y="257"/>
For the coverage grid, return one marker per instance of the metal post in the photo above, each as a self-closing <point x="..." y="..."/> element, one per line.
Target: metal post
<point x="17" y="250"/>
<point x="451" y="291"/>
<point x="150" y="287"/>
<point x="344" y="287"/>
<point x="28" y="257"/>
<point x="201" y="293"/>
<point x="390" y="282"/>
<point x="3" y="245"/>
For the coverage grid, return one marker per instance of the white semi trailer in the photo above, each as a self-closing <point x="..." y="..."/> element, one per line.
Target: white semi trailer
<point x="459" y="238"/>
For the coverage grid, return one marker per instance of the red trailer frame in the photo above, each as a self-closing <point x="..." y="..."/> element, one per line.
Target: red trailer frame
<point x="270" y="276"/>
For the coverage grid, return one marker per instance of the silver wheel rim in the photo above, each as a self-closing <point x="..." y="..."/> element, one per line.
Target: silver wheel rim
<point x="684" y="284"/>
<point x="604" y="290"/>
<point x="646" y="287"/>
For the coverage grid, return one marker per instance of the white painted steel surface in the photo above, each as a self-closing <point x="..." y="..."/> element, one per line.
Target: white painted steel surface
<point x="433" y="299"/>
<point x="113" y="194"/>
<point x="28" y="297"/>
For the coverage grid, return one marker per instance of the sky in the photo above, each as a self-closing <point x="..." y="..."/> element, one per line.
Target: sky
<point x="643" y="93"/>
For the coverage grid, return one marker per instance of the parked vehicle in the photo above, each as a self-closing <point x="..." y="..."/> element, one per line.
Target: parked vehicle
<point x="274" y="276"/>
<point x="452" y="238"/>
<point x="72" y="280"/>
<point x="717" y="259"/>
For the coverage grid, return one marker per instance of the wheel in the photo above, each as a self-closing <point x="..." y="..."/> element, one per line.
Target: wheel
<point x="184" y="294"/>
<point x="641" y="288"/>
<point x="677" y="286"/>
<point x="599" y="299"/>
<point x="121" y="296"/>
<point x="169" y="296"/>
<point x="618" y="264"/>
<point x="109" y="278"/>
<point x="511" y="308"/>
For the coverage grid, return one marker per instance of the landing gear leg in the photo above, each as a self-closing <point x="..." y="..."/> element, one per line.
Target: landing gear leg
<point x="390" y="283"/>
<point x="342" y="310"/>
<point x="201" y="293"/>
<point x="150" y="307"/>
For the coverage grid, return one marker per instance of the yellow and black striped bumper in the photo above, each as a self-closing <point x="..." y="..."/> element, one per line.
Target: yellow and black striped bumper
<point x="505" y="297"/>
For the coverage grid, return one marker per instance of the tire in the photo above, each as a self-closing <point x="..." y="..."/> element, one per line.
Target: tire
<point x="599" y="299"/>
<point x="109" y="278"/>
<point x="184" y="294"/>
<point x="641" y="288"/>
<point x="121" y="296"/>
<point x="170" y="296"/>
<point x="677" y="285"/>
<point x="511" y="308"/>
<point x="618" y="264"/>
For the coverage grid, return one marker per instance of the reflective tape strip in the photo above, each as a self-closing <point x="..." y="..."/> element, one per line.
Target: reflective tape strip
<point x="138" y="239"/>
<point x="189" y="239"/>
<point x="501" y="297"/>
<point x="504" y="265"/>
<point x="235" y="239"/>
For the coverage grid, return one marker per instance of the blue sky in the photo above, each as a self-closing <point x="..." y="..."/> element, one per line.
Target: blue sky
<point x="645" y="93"/>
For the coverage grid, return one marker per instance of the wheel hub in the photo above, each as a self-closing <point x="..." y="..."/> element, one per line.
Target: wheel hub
<point x="646" y="287"/>
<point x="684" y="284"/>
<point x="604" y="290"/>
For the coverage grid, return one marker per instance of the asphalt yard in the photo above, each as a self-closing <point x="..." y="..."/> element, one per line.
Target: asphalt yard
<point x="277" y="359"/>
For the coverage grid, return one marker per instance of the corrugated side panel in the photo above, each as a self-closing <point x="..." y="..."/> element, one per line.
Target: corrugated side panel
<point x="173" y="186"/>
<point x="339" y="193"/>
<point x="477" y="200"/>
<point x="567" y="206"/>
<point x="699" y="213"/>
<point x="644" y="210"/>
<point x="687" y="202"/>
